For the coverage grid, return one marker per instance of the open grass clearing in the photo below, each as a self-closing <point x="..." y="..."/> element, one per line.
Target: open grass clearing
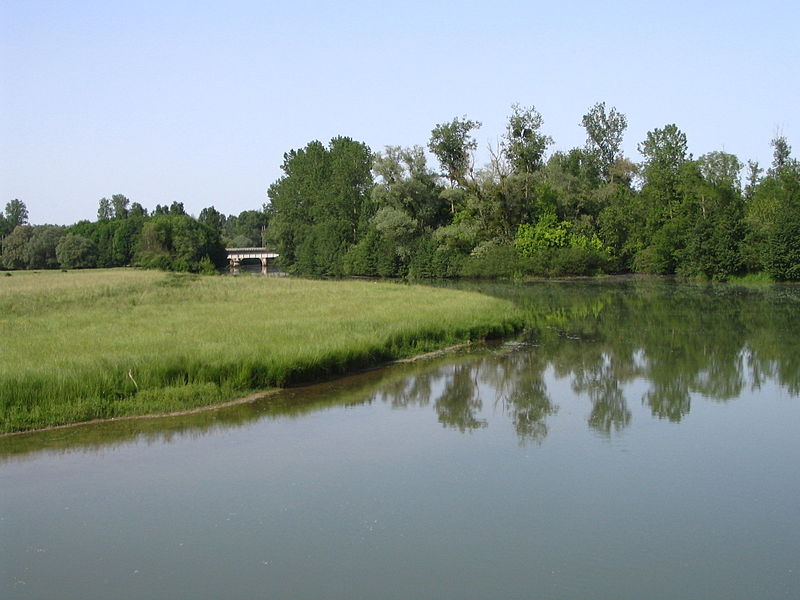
<point x="84" y="345"/>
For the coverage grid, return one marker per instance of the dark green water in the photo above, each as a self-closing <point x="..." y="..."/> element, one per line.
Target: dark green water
<point x="641" y="442"/>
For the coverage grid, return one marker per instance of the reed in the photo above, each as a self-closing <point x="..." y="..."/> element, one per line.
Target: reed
<point x="83" y="345"/>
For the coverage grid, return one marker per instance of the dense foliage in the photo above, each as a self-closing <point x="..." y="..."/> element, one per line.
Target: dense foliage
<point x="585" y="211"/>
<point x="321" y="204"/>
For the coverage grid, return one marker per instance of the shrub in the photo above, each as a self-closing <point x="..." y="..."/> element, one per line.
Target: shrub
<point x="578" y="261"/>
<point x="497" y="261"/>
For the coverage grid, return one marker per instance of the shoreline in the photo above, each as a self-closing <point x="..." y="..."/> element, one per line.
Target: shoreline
<point x="252" y="397"/>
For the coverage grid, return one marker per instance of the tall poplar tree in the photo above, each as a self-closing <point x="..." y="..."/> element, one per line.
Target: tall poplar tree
<point x="319" y="204"/>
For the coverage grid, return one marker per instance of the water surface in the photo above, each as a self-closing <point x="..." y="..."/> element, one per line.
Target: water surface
<point x="639" y="442"/>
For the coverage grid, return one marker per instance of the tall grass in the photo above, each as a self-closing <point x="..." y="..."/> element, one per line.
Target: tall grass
<point x="82" y="345"/>
<point x="760" y="277"/>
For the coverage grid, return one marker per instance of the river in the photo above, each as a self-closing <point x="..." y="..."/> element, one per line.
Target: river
<point x="640" y="441"/>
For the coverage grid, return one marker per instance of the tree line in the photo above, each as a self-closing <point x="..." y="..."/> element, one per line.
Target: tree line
<point x="126" y="234"/>
<point x="341" y="209"/>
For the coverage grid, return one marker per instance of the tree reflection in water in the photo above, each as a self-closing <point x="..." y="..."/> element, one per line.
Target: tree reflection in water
<point x="521" y="391"/>
<point x="609" y="407"/>
<point x="683" y="341"/>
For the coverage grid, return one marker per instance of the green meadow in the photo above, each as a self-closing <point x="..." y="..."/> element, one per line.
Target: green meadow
<point x="82" y="345"/>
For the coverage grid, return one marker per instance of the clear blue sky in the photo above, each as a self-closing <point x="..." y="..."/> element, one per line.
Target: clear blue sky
<point x="197" y="101"/>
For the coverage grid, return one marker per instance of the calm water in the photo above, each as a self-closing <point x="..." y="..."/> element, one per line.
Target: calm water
<point x="640" y="442"/>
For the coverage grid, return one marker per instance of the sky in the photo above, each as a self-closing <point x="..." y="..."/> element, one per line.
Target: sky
<point x="197" y="102"/>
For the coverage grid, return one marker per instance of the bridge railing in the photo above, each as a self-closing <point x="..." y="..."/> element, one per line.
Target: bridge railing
<point x="265" y="250"/>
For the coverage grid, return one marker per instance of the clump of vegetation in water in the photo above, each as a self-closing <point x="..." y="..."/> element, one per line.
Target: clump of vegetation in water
<point x="96" y="344"/>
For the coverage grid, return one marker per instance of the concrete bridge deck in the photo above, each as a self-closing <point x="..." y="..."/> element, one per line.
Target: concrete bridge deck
<point x="263" y="255"/>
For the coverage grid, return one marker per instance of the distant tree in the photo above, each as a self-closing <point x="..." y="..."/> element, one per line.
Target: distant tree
<point x="502" y="196"/>
<point x="5" y="226"/>
<point x="320" y="204"/>
<point x="16" y="213"/>
<point x="770" y="215"/>
<point x="246" y="229"/>
<point x="119" y="206"/>
<point x="721" y="169"/>
<point x="154" y="247"/>
<point x="15" y="247"/>
<point x="783" y="240"/>
<point x="137" y="210"/>
<point x="213" y="218"/>
<point x="667" y="177"/>
<point x="397" y="228"/>
<point x="523" y="143"/>
<point x="104" y="210"/>
<point x="406" y="183"/>
<point x="783" y="246"/>
<point x="753" y="177"/>
<point x="499" y="205"/>
<point x="713" y="213"/>
<point x="575" y="178"/>
<point x="161" y="210"/>
<point x="240" y="241"/>
<point x="176" y="208"/>
<point x="40" y="252"/>
<point x="178" y="243"/>
<point x="452" y="144"/>
<point x="604" y="131"/>
<point x="114" y="239"/>
<point x="664" y="151"/>
<point x="389" y="165"/>
<point x="124" y="234"/>
<point x="781" y="153"/>
<point x="76" y="252"/>
<point x="621" y="226"/>
<point x="295" y="196"/>
<point x="104" y="239"/>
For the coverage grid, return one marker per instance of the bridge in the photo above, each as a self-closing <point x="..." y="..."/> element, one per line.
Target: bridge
<point x="237" y="255"/>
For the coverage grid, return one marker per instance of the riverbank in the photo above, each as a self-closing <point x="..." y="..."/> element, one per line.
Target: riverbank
<point x="250" y="398"/>
<point x="87" y="345"/>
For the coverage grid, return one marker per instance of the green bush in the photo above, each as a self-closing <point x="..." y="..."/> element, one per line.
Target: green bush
<point x="558" y="262"/>
<point x="578" y="261"/>
<point x="360" y="258"/>
<point x="498" y="261"/>
<point x="432" y="261"/>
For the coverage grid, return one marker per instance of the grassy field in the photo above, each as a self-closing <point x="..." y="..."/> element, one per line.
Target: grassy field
<point x="83" y="345"/>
